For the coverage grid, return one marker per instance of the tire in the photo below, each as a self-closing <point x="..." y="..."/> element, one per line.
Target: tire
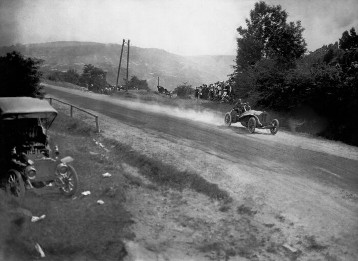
<point x="71" y="182"/>
<point x="251" y="125"/>
<point x="15" y="184"/>
<point x="275" y="127"/>
<point x="228" y="119"/>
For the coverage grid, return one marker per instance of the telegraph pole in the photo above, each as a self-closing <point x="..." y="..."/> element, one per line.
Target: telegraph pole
<point x="127" y="63"/>
<point x="120" y="61"/>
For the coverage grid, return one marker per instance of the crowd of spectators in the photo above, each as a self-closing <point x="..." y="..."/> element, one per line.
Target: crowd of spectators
<point x="219" y="91"/>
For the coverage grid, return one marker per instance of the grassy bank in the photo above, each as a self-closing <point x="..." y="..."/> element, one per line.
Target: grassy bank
<point x="78" y="228"/>
<point x="75" y="228"/>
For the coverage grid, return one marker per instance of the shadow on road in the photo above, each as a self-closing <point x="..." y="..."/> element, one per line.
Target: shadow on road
<point x="243" y="130"/>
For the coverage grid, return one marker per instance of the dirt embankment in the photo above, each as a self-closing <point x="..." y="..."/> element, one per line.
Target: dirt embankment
<point x="275" y="213"/>
<point x="269" y="209"/>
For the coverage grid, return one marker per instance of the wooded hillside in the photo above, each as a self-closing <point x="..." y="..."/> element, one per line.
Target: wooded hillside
<point x="273" y="71"/>
<point x="145" y="63"/>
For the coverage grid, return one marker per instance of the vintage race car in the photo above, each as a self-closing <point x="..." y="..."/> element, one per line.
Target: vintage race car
<point x="252" y="119"/>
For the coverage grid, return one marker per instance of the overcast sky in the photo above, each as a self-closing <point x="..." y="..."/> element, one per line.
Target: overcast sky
<point x="187" y="27"/>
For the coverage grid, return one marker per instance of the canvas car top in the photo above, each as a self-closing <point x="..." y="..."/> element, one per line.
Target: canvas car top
<point x="25" y="107"/>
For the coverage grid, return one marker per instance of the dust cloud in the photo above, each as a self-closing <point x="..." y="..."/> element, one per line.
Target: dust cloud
<point x="194" y="114"/>
<point x="199" y="115"/>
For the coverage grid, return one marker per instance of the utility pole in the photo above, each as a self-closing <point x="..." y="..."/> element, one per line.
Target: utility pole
<point x="158" y="80"/>
<point x="120" y="61"/>
<point x="127" y="64"/>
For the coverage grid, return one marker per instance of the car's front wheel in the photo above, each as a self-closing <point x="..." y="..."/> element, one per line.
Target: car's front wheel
<point x="69" y="181"/>
<point x="227" y="119"/>
<point x="274" y="129"/>
<point x="251" y="125"/>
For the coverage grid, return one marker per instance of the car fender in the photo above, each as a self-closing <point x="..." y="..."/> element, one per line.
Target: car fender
<point x="233" y="116"/>
<point x="251" y="113"/>
<point x="67" y="160"/>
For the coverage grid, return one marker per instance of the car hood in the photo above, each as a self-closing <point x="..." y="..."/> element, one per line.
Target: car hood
<point x="251" y="112"/>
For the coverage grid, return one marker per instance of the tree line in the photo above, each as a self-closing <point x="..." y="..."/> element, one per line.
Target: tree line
<point x="94" y="79"/>
<point x="21" y="76"/>
<point x="274" y="71"/>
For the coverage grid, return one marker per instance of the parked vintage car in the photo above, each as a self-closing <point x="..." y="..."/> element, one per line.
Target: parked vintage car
<point x="24" y="148"/>
<point x="251" y="119"/>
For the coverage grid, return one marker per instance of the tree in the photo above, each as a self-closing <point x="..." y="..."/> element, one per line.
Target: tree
<point x="71" y="76"/>
<point x="20" y="76"/>
<point x="268" y="35"/>
<point x="349" y="41"/>
<point x="135" y="83"/>
<point x="184" y="90"/>
<point x="268" y="46"/>
<point x="348" y="45"/>
<point x="94" y="78"/>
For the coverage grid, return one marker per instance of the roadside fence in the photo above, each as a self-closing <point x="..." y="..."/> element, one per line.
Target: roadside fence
<point x="78" y="108"/>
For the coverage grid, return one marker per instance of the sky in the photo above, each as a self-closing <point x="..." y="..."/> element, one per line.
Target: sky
<point x="185" y="27"/>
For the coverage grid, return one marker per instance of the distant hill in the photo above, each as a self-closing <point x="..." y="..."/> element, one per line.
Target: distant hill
<point x="145" y="63"/>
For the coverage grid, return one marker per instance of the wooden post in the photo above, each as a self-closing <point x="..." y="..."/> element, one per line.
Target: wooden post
<point x="71" y="111"/>
<point x="97" y="124"/>
<point x="50" y="101"/>
<point x="120" y="61"/>
<point x="127" y="64"/>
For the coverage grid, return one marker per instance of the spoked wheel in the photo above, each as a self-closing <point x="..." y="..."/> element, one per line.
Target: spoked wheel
<point x="274" y="129"/>
<point x="251" y="125"/>
<point x="227" y="119"/>
<point x="15" y="184"/>
<point x="68" y="181"/>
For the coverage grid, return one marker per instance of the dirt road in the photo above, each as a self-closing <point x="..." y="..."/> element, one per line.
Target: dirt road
<point x="300" y="191"/>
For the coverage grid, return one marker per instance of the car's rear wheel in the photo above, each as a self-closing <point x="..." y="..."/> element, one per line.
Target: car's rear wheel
<point x="227" y="119"/>
<point x="251" y="125"/>
<point x="274" y="129"/>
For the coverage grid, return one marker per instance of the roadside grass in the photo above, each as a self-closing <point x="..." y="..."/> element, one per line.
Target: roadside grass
<point x="78" y="228"/>
<point x="239" y="237"/>
<point x="242" y="209"/>
<point x="313" y="245"/>
<point x="62" y="84"/>
<point x="74" y="228"/>
<point x="166" y="175"/>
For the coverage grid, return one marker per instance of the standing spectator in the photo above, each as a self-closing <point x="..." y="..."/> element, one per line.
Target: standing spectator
<point x="196" y="93"/>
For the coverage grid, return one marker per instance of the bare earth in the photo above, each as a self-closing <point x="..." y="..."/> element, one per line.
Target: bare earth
<point x="294" y="197"/>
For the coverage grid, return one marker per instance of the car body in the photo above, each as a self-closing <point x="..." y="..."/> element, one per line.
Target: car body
<point x="24" y="148"/>
<point x="252" y="119"/>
